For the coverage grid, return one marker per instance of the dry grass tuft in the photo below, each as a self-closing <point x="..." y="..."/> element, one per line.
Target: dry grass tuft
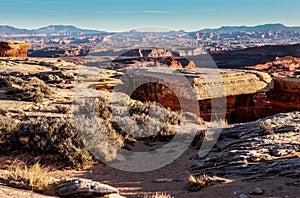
<point x="159" y="195"/>
<point x="221" y="123"/>
<point x="35" y="177"/>
<point x="197" y="183"/>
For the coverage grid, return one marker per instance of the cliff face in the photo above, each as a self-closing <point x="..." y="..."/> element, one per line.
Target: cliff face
<point x="285" y="96"/>
<point x="232" y="90"/>
<point x="285" y="66"/>
<point x="13" y="49"/>
<point x="254" y="56"/>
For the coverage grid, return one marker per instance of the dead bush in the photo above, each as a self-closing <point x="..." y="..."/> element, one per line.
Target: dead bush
<point x="196" y="183"/>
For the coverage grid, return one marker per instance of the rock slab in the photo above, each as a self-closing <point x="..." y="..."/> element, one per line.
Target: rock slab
<point x="75" y="188"/>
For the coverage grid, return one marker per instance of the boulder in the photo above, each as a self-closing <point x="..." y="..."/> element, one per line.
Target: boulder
<point x="73" y="188"/>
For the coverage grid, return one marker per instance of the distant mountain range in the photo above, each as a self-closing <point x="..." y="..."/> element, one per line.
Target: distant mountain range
<point x="72" y="30"/>
<point x="265" y="27"/>
<point x="52" y="29"/>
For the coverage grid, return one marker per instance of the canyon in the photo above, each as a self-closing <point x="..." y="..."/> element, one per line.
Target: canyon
<point x="255" y="151"/>
<point x="244" y="95"/>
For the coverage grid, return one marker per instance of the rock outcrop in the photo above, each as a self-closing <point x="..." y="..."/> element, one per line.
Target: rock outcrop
<point x="13" y="49"/>
<point x="286" y="66"/>
<point x="83" y="188"/>
<point x="254" y="55"/>
<point x="151" y="58"/>
<point x="284" y="97"/>
<point x="232" y="90"/>
<point x="59" y="51"/>
<point x="256" y="150"/>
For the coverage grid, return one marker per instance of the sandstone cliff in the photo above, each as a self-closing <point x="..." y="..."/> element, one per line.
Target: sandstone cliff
<point x="284" y="97"/>
<point x="230" y="90"/>
<point x="13" y="49"/>
<point x="285" y="66"/>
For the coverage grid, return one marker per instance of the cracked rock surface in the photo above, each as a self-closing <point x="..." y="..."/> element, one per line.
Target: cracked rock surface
<point x="256" y="150"/>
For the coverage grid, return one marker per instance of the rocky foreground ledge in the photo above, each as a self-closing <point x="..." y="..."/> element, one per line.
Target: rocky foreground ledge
<point x="256" y="150"/>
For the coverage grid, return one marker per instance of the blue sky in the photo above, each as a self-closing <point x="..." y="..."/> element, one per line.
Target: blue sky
<point x="120" y="15"/>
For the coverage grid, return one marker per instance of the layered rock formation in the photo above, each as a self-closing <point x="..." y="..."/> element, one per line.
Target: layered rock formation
<point x="151" y="58"/>
<point x="13" y="49"/>
<point x="253" y="56"/>
<point x="230" y="90"/>
<point x="285" y="66"/>
<point x="256" y="150"/>
<point x="59" y="51"/>
<point x="285" y="96"/>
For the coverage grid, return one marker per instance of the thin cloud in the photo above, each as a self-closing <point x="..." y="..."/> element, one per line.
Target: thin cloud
<point x="155" y="11"/>
<point x="143" y="11"/>
<point x="123" y="12"/>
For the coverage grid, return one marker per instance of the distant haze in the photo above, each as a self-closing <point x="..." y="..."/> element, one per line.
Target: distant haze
<point x="122" y="15"/>
<point x="72" y="30"/>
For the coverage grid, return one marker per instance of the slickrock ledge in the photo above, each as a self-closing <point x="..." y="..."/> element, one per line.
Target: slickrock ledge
<point x="168" y="88"/>
<point x="13" y="49"/>
<point x="256" y="150"/>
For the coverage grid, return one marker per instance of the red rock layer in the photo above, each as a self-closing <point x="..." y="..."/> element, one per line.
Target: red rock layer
<point x="13" y="49"/>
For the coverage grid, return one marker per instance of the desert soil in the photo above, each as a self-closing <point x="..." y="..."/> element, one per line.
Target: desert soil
<point x="135" y="185"/>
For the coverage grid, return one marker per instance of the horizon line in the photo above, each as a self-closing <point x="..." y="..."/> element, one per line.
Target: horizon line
<point x="141" y="27"/>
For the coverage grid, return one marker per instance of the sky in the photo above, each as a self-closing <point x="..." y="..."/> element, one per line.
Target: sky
<point x="123" y="15"/>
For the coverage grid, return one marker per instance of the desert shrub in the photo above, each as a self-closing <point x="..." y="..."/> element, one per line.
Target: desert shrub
<point x="99" y="134"/>
<point x="143" y="119"/>
<point x="64" y="109"/>
<point x="3" y="111"/>
<point x="266" y="128"/>
<point x="196" y="183"/>
<point x="33" y="90"/>
<point x="10" y="81"/>
<point x="114" y="126"/>
<point x="7" y="129"/>
<point x="159" y="195"/>
<point x="55" y="136"/>
<point x="35" y="177"/>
